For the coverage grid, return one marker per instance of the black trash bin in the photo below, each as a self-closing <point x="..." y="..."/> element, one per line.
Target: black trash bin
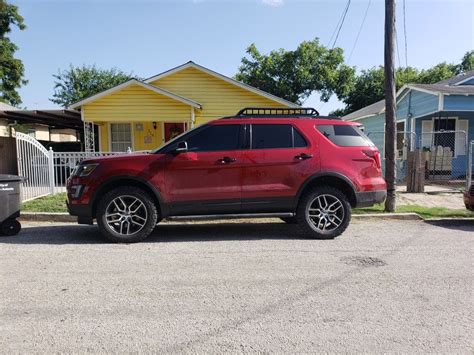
<point x="9" y="204"/>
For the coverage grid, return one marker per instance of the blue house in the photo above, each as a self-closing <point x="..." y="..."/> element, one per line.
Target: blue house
<point x="429" y="116"/>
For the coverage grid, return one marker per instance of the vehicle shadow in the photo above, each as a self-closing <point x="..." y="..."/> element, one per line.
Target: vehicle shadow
<point x="163" y="233"/>
<point x="466" y="225"/>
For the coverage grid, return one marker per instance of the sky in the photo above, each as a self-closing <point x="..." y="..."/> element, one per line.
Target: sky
<point x="146" y="37"/>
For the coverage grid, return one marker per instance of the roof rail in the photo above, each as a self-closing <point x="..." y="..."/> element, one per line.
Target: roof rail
<point x="277" y="112"/>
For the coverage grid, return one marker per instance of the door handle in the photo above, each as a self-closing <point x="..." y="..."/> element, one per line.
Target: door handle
<point x="303" y="156"/>
<point x="226" y="160"/>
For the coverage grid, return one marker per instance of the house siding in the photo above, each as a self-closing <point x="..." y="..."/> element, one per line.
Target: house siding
<point x="458" y="102"/>
<point x="217" y="97"/>
<point x="136" y="104"/>
<point x="469" y="82"/>
<point x="420" y="104"/>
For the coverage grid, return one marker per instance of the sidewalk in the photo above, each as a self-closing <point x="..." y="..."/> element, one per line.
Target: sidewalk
<point x="434" y="196"/>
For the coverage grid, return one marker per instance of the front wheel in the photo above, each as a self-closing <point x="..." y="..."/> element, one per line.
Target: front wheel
<point x="323" y="213"/>
<point x="126" y="215"/>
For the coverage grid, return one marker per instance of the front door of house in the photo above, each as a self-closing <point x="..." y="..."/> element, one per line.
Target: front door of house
<point x="174" y="129"/>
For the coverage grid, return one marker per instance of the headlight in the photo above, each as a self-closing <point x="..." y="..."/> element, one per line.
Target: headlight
<point x="85" y="170"/>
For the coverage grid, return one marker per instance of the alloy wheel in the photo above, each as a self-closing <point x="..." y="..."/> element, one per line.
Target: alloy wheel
<point x="325" y="213"/>
<point x="126" y="215"/>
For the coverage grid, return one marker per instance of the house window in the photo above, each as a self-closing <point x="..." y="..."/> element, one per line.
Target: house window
<point x="120" y="137"/>
<point x="447" y="139"/>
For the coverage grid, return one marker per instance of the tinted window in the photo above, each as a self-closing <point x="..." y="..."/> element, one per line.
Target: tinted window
<point x="298" y="139"/>
<point x="266" y="136"/>
<point x="215" y="138"/>
<point x="345" y="135"/>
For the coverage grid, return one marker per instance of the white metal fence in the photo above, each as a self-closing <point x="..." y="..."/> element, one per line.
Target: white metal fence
<point x="65" y="162"/>
<point x="44" y="171"/>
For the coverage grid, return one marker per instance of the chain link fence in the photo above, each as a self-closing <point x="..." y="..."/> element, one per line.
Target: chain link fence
<point x="445" y="154"/>
<point x="406" y="142"/>
<point x="470" y="169"/>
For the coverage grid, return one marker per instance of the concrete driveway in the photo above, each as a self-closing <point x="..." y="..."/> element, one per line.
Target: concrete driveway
<point x="398" y="286"/>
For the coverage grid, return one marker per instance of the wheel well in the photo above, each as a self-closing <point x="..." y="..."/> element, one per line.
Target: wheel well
<point x="110" y="185"/>
<point x="335" y="182"/>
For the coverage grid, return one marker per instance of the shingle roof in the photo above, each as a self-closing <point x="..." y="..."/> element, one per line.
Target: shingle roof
<point x="370" y="110"/>
<point x="456" y="79"/>
<point x="446" y="89"/>
<point x="5" y="107"/>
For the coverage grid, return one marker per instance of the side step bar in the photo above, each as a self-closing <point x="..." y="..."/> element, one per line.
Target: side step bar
<point x="231" y="216"/>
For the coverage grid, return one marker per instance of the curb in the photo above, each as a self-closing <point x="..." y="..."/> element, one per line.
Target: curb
<point x="66" y="218"/>
<point x="47" y="217"/>
<point x="405" y="216"/>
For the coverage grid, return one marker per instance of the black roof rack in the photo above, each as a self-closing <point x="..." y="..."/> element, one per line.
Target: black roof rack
<point x="278" y="112"/>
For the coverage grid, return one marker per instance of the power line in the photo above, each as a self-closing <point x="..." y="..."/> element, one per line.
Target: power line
<point x="405" y="33"/>
<point x="360" y="30"/>
<point x="342" y="23"/>
<point x="337" y="26"/>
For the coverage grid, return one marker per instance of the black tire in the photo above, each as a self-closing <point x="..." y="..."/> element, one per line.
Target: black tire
<point x="309" y="199"/>
<point x="289" y="220"/>
<point x="112" y="229"/>
<point x="10" y="227"/>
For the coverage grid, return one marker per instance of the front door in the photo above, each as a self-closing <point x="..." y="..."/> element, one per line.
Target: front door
<point x="207" y="178"/>
<point x="173" y="130"/>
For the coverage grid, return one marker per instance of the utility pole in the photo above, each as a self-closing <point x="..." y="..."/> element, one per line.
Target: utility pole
<point x="390" y="102"/>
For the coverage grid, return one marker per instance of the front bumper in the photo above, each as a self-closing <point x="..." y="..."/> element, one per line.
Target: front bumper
<point x="370" y="198"/>
<point x="83" y="213"/>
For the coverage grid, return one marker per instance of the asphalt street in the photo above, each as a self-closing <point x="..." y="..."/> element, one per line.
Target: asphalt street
<point x="383" y="286"/>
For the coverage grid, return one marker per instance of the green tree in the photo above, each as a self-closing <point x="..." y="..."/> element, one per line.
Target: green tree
<point x="467" y="62"/>
<point x="295" y="75"/>
<point x="77" y="83"/>
<point x="368" y="86"/>
<point x="11" y="69"/>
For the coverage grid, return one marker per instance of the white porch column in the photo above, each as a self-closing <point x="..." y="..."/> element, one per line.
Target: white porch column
<point x="193" y="117"/>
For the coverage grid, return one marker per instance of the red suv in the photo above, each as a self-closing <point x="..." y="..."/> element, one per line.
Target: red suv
<point x="289" y="163"/>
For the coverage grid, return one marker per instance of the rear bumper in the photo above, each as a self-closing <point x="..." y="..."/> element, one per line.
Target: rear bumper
<point x="370" y="198"/>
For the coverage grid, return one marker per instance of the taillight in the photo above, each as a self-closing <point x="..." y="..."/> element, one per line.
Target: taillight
<point x="374" y="154"/>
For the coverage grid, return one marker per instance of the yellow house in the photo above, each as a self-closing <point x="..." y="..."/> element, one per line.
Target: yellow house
<point x="142" y="115"/>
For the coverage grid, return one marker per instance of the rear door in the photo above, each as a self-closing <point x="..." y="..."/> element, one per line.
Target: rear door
<point x="279" y="160"/>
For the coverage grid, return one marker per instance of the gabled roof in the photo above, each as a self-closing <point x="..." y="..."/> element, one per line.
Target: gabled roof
<point x="5" y="107"/>
<point x="433" y="89"/>
<point x="191" y="64"/>
<point x="458" y="79"/>
<point x="445" y="89"/>
<point x="139" y="83"/>
<point x="366" y="111"/>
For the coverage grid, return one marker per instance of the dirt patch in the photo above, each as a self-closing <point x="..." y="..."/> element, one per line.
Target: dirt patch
<point x="363" y="261"/>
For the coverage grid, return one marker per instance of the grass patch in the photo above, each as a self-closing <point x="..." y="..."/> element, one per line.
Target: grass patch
<point x="50" y="203"/>
<point x="57" y="203"/>
<point x="424" y="212"/>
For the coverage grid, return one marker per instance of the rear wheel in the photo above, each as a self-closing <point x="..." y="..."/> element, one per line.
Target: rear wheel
<point x="323" y="213"/>
<point x="126" y="215"/>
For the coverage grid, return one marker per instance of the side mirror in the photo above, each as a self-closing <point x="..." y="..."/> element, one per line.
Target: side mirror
<point x="181" y="147"/>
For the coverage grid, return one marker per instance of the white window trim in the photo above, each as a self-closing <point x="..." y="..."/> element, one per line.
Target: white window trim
<point x="132" y="132"/>
<point x="455" y="129"/>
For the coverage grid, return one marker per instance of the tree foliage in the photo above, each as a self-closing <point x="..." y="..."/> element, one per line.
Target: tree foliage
<point x="11" y="69"/>
<point x="77" y="83"/>
<point x="368" y="86"/>
<point x="295" y="75"/>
